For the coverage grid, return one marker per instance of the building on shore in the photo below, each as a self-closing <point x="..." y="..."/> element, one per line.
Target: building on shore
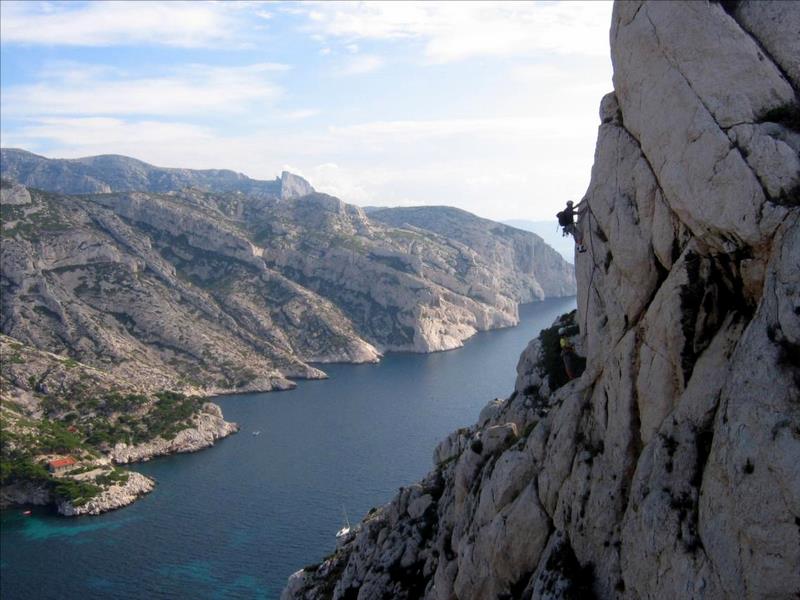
<point x="59" y="466"/>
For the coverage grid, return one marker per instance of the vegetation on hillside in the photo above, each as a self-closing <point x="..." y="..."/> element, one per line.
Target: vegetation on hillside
<point x="69" y="409"/>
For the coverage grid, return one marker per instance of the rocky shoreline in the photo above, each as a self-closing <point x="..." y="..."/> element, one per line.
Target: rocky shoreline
<point x="210" y="426"/>
<point x="112" y="498"/>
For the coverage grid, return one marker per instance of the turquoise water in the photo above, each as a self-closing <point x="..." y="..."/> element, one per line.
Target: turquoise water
<point x="236" y="520"/>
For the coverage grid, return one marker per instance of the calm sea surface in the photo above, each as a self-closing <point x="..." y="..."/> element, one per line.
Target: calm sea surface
<point x="236" y="520"/>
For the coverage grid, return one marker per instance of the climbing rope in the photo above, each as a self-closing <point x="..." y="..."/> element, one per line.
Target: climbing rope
<point x="594" y="266"/>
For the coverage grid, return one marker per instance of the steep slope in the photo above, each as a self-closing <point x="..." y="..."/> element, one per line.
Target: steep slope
<point x="530" y="268"/>
<point x="670" y="469"/>
<point x="174" y="300"/>
<point x="223" y="291"/>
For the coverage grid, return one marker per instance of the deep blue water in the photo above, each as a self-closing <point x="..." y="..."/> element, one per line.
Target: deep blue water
<point x="236" y="520"/>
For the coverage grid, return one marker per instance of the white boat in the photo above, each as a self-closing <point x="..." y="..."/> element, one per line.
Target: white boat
<point x="256" y="433"/>
<point x="344" y="533"/>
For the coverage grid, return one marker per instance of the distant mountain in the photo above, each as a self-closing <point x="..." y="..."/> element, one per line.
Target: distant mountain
<point x="114" y="173"/>
<point x="522" y="253"/>
<point x="225" y="290"/>
<point x="550" y="232"/>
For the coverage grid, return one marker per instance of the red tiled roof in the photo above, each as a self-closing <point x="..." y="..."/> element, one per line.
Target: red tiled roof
<point x="62" y="462"/>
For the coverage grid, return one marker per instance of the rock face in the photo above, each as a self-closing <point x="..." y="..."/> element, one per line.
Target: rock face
<point x="293" y="186"/>
<point x="531" y="270"/>
<point x="24" y="492"/>
<point x="114" y="497"/>
<point x="222" y="291"/>
<point x="671" y="468"/>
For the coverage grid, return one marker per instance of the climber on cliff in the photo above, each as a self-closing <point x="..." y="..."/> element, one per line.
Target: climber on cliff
<point x="566" y="219"/>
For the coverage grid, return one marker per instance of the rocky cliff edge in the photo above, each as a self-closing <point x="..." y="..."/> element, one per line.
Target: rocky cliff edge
<point x="671" y="468"/>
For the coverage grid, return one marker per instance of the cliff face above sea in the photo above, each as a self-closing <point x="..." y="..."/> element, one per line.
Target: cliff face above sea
<point x="671" y="467"/>
<point x="215" y="289"/>
<point x="129" y="291"/>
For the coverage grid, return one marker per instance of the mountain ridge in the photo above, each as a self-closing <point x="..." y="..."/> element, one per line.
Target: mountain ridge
<point x="429" y="291"/>
<point x="108" y="173"/>
<point x="119" y="309"/>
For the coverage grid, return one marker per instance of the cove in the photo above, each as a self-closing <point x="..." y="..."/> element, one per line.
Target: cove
<point x="236" y="520"/>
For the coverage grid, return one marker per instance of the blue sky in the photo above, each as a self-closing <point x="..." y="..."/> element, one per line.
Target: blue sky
<point x="491" y="107"/>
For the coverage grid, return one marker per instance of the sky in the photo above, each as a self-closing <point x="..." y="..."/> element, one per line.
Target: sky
<point x="491" y="107"/>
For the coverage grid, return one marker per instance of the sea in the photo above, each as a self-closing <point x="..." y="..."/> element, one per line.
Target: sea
<point x="234" y="521"/>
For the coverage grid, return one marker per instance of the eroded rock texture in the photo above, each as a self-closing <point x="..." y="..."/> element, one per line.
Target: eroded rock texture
<point x="216" y="291"/>
<point x="671" y="468"/>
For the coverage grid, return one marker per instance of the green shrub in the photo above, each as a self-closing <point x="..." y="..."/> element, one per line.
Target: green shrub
<point x="116" y="476"/>
<point x="21" y="468"/>
<point x="77" y="493"/>
<point x="54" y="437"/>
<point x="550" y="363"/>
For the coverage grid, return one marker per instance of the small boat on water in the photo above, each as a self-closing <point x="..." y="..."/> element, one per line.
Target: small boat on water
<point x="344" y="532"/>
<point x="27" y="513"/>
<point x="256" y="433"/>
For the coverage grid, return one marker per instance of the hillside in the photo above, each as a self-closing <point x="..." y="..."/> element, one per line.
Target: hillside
<point x="670" y="468"/>
<point x="159" y="286"/>
<point x="516" y="251"/>
<point x="54" y="408"/>
<point x="222" y="291"/>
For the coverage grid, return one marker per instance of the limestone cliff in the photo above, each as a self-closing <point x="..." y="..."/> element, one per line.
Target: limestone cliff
<point x="224" y="291"/>
<point x="671" y="468"/>
<point x="531" y="269"/>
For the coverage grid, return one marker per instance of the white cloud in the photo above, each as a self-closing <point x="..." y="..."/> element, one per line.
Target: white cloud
<point x="93" y="90"/>
<point x="300" y="113"/>
<point x="361" y="64"/>
<point x="73" y="137"/>
<point x="544" y="126"/>
<point x="182" y="24"/>
<point x="332" y="179"/>
<point x="518" y="147"/>
<point x="454" y="31"/>
<point x="492" y="168"/>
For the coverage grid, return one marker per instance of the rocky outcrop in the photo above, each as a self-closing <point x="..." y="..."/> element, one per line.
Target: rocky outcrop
<point x="293" y="186"/>
<point x="670" y="468"/>
<point x="209" y="426"/>
<point x="112" y="498"/>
